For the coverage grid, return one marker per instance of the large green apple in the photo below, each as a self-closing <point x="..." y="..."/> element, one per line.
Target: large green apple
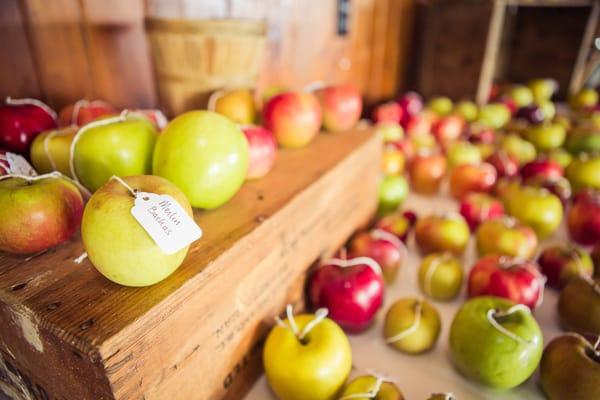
<point x="119" y="146"/>
<point x="582" y="140"/>
<point x="584" y="172"/>
<point x="117" y="245"/>
<point x="393" y="190"/>
<point x="494" y="115"/>
<point x="205" y="155"/>
<point x="520" y="148"/>
<point x="315" y="367"/>
<point x="546" y="136"/>
<point x="536" y="207"/>
<point x="501" y="356"/>
<point x="367" y="384"/>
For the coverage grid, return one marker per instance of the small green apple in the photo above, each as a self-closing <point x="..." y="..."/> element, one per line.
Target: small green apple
<point x="519" y="148"/>
<point x="412" y="325"/>
<point x="560" y="156"/>
<point x="495" y="342"/>
<point x="390" y="132"/>
<point x="542" y="89"/>
<point x="521" y="95"/>
<point x="393" y="190"/>
<point x="582" y="140"/>
<point x="548" y="109"/>
<point x="205" y="155"/>
<point x="315" y="367"/>
<point x="546" y="136"/>
<point x="584" y="172"/>
<point x="441" y="276"/>
<point x="463" y="153"/>
<point x="367" y="384"/>
<point x="467" y="109"/>
<point x="440" y="105"/>
<point x="585" y="98"/>
<point x="494" y="115"/>
<point x="536" y="207"/>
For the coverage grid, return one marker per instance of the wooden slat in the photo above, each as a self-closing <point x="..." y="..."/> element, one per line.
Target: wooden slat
<point x="492" y="47"/>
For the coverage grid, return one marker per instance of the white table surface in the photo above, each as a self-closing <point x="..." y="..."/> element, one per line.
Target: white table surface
<point x="418" y="376"/>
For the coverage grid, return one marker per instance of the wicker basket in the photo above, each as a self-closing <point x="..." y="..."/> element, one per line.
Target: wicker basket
<point x="192" y="58"/>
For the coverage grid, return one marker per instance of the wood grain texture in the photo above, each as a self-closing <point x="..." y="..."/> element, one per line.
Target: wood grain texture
<point x="194" y="335"/>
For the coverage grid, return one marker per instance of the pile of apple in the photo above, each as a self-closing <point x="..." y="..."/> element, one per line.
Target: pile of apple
<point x="200" y="159"/>
<point x="516" y="168"/>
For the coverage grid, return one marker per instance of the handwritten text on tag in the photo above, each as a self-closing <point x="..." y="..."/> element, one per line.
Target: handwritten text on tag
<point x="166" y="221"/>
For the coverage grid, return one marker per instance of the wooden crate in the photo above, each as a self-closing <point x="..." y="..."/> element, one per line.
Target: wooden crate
<point x="68" y="333"/>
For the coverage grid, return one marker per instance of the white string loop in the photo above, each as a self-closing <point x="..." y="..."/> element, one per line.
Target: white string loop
<point x="412" y="328"/>
<point x="9" y="100"/>
<point x="320" y="314"/>
<point x="120" y="180"/>
<point x="370" y="394"/>
<point x="432" y="268"/>
<point x="345" y="263"/>
<point x="492" y="314"/>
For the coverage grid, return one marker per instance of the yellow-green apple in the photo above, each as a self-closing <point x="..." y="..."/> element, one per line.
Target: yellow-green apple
<point x="506" y="164"/>
<point x="205" y="155"/>
<point x="392" y="160"/>
<point x="542" y="89"/>
<point x="398" y="224"/>
<point x="519" y="148"/>
<point x="506" y="236"/>
<point x="579" y="306"/>
<point x="585" y="98"/>
<point x="342" y="106"/>
<point x="560" y="187"/>
<point x="116" y="244"/>
<point x="584" y="172"/>
<point x="411" y="103"/>
<point x="424" y="142"/>
<point x="469" y="178"/>
<point x="388" y="113"/>
<point x="442" y="233"/>
<point x="583" y="140"/>
<point x="293" y="117"/>
<point x="548" y="109"/>
<point x="570" y="368"/>
<point x="583" y="218"/>
<point x="50" y="150"/>
<point x="440" y="105"/>
<point x="448" y="129"/>
<point x="441" y="276"/>
<point x="262" y="150"/>
<point x="536" y="207"/>
<point x="393" y="190"/>
<point x="463" y="153"/>
<point x="83" y="112"/>
<point x="426" y="172"/>
<point x="372" y="389"/>
<point x="521" y="95"/>
<point x="37" y="213"/>
<point x="412" y="325"/>
<point x="383" y="247"/>
<point x="21" y="120"/>
<point x="351" y="289"/>
<point x="563" y="263"/>
<point x="547" y="136"/>
<point x="119" y="145"/>
<point x="477" y="208"/>
<point x="390" y="131"/>
<point x="510" y="278"/>
<point x="494" y="115"/>
<point x="560" y="156"/>
<point x="467" y="109"/>
<point x="495" y="342"/>
<point x="315" y="366"/>
<point x="236" y="104"/>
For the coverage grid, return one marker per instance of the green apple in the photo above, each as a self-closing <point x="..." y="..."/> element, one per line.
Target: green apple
<point x="367" y="384"/>
<point x="560" y="156"/>
<point x="548" y="109"/>
<point x="542" y="89"/>
<point x="463" y="153"/>
<point x="315" y="367"/>
<point x="519" y="148"/>
<point x="390" y="132"/>
<point x="536" y="207"/>
<point x="579" y="306"/>
<point x="119" y="146"/>
<point x="393" y="190"/>
<point x="467" y="109"/>
<point x="50" y="150"/>
<point x="423" y="142"/>
<point x="116" y="244"/>
<point x="521" y="95"/>
<point x="585" y="98"/>
<point x="570" y="369"/>
<point x="412" y="325"/>
<point x="583" y="140"/>
<point x="440" y="276"/>
<point x="494" y="342"/>
<point x="494" y="115"/>
<point x="440" y="105"/>
<point x="205" y="155"/>
<point x="546" y="136"/>
<point x="584" y="172"/>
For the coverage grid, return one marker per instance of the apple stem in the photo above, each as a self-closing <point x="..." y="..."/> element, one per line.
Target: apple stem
<point x="412" y="328"/>
<point x="492" y="314"/>
<point x="320" y="314"/>
<point x="131" y="190"/>
<point x="371" y="394"/>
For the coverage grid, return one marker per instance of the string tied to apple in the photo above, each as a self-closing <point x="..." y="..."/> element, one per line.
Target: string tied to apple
<point x="413" y="327"/>
<point x="35" y="102"/>
<point x="492" y="314"/>
<point x="347" y="263"/>
<point x="371" y="394"/>
<point x="382" y="234"/>
<point x="320" y="314"/>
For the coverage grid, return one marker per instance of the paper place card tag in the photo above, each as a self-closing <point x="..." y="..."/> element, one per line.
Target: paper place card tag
<point x="166" y="221"/>
<point x="18" y="165"/>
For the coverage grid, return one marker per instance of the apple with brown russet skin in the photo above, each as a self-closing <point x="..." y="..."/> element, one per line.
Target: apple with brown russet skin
<point x="38" y="213"/>
<point x="383" y="247"/>
<point x="468" y="178"/>
<point x="479" y="207"/>
<point x="510" y="278"/>
<point x="506" y="236"/>
<point x="398" y="224"/>
<point x="293" y="117"/>
<point x="563" y="263"/>
<point x="262" y="150"/>
<point x="442" y="233"/>
<point x="506" y="165"/>
<point x="583" y="219"/>
<point x="570" y="368"/>
<point x="342" y="106"/>
<point x="21" y="120"/>
<point x="390" y="112"/>
<point x="426" y="172"/>
<point x="579" y="306"/>
<point x="84" y="111"/>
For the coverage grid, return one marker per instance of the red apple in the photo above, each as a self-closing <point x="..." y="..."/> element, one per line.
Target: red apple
<point x="418" y="124"/>
<point x="426" y="172"/>
<point x="411" y="103"/>
<point x="509" y="278"/>
<point x="563" y="263"/>
<point x="506" y="165"/>
<point x="262" y="151"/>
<point x="342" y="106"/>
<point x="583" y="219"/>
<point x="155" y="116"/>
<point x="448" y="129"/>
<point x="20" y="122"/>
<point x="385" y="248"/>
<point x="479" y="207"/>
<point x="84" y="111"/>
<point x="38" y="213"/>
<point x="352" y="290"/>
<point x="398" y="224"/>
<point x="293" y="117"/>
<point x="438" y="233"/>
<point x="542" y="168"/>
<point x="467" y="178"/>
<point x="389" y="112"/>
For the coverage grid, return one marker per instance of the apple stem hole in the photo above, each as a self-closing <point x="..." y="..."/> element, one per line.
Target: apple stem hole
<point x="320" y="314"/>
<point x="492" y="314"/>
<point x="131" y="190"/>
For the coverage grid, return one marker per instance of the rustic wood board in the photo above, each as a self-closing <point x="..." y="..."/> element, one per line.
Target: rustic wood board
<point x="68" y="333"/>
